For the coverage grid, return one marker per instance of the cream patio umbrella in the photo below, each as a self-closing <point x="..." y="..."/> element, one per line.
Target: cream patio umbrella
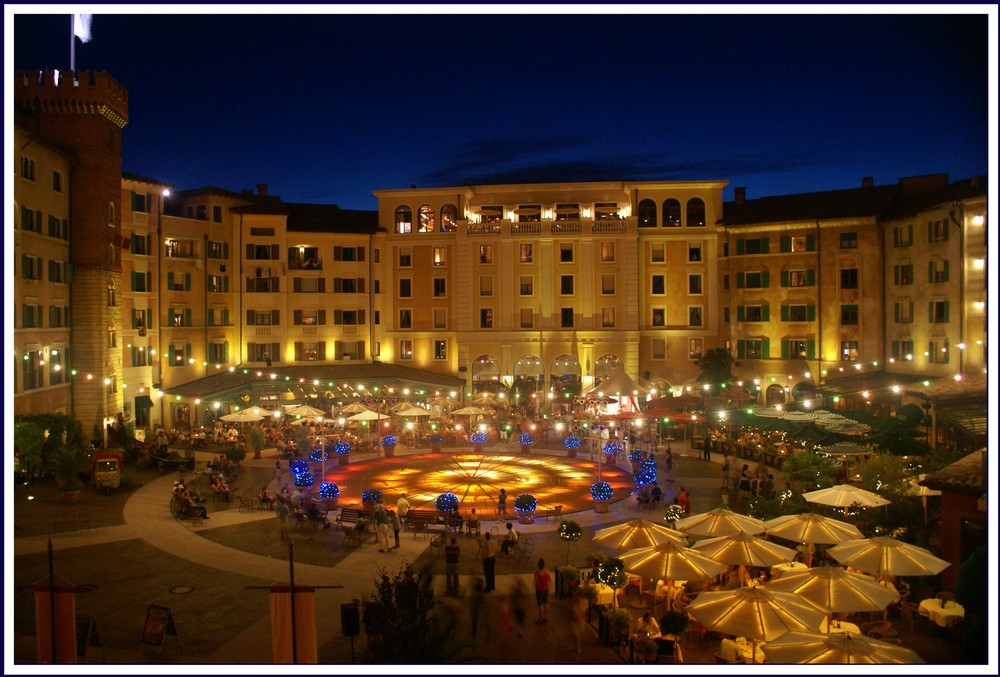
<point x="639" y="533"/>
<point x="719" y="522"/>
<point x="839" y="647"/>
<point x="367" y="415"/>
<point x="469" y="411"/>
<point x="243" y="416"/>
<point x="836" y="590"/>
<point x="744" y="550"/>
<point x="755" y="613"/>
<point x="413" y="411"/>
<point x="305" y="411"/>
<point x="670" y="562"/>
<point x="353" y="408"/>
<point x="844" y="496"/>
<point x="885" y="556"/>
<point x="917" y="489"/>
<point x="810" y="528"/>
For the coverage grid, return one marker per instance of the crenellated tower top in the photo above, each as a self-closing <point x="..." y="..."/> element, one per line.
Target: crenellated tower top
<point x="94" y="92"/>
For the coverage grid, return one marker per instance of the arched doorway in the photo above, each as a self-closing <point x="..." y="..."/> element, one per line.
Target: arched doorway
<point x="565" y="375"/>
<point x="528" y="388"/>
<point x="486" y="374"/>
<point x="774" y="394"/>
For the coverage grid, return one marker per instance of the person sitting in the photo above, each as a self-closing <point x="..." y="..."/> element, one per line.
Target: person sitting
<point x="472" y="524"/>
<point x="729" y="650"/>
<point x="219" y="487"/>
<point x="646" y="626"/>
<point x="266" y="498"/>
<point x="684" y="501"/>
<point x="509" y="540"/>
<point x="193" y="507"/>
<point x="656" y="495"/>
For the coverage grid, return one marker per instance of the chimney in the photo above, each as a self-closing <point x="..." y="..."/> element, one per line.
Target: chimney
<point x="867" y="182"/>
<point x="262" y="189"/>
<point x="741" y="194"/>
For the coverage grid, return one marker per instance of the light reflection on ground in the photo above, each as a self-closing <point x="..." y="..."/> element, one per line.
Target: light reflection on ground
<point x="477" y="479"/>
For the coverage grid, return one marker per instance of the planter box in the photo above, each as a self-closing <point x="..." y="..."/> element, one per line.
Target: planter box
<point x="343" y="459"/>
<point x="525" y="448"/>
<point x="478" y="448"/>
<point x="526" y="518"/>
<point x="601" y="505"/>
<point x="390" y="450"/>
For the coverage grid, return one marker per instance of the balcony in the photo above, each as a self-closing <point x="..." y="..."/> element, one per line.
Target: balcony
<point x="547" y="227"/>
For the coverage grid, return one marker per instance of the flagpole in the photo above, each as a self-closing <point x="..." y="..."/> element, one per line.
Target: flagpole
<point x="72" y="44"/>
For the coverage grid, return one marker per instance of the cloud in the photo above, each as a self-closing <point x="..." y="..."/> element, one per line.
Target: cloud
<point x="569" y="158"/>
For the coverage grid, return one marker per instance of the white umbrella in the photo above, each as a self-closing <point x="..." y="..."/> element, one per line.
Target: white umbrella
<point x="744" y="550"/>
<point x="413" y="411"/>
<point x="844" y="496"/>
<point x="917" y="489"/>
<point x="839" y="647"/>
<point x="810" y="528"/>
<point x="354" y="408"/>
<point x="670" y="562"/>
<point x="367" y="416"/>
<point x="243" y="416"/>
<point x="836" y="590"/>
<point x="719" y="522"/>
<point x="305" y="410"/>
<point x="469" y="411"/>
<point x="885" y="556"/>
<point x="639" y="533"/>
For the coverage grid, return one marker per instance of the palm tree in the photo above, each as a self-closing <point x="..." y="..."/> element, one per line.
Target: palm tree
<point x="716" y="367"/>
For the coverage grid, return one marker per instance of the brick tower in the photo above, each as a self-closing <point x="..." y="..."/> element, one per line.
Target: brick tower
<point x="85" y="116"/>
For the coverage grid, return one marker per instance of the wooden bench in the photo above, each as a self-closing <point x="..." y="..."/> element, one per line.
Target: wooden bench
<point x="350" y="517"/>
<point x="421" y="521"/>
<point x="348" y="520"/>
<point x="321" y="506"/>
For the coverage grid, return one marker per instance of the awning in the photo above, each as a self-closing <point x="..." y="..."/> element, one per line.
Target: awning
<point x="143" y="402"/>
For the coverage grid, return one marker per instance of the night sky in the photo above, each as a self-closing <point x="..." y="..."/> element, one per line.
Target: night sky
<point x="327" y="108"/>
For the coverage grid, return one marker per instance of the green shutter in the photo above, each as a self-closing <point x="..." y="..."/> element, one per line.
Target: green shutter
<point x="763" y="245"/>
<point x="134" y="275"/>
<point x="786" y="243"/>
<point x="225" y="317"/>
<point x="930" y="312"/>
<point x="784" y="278"/>
<point x="930" y="232"/>
<point x="810" y="313"/>
<point x="170" y="281"/>
<point x="135" y="321"/>
<point x="296" y="317"/>
<point x="895" y="349"/>
<point x="810" y="243"/>
<point x="740" y="247"/>
<point x="741" y="314"/>
<point x="811" y="349"/>
<point x="765" y="279"/>
<point x="765" y="348"/>
<point x="187" y="281"/>
<point x="187" y="317"/>
<point x="741" y="349"/>
<point x="225" y="283"/>
<point x="930" y="271"/>
<point x="946" y="315"/>
<point x="149" y="281"/>
<point x="784" y="312"/>
<point x="298" y="351"/>
<point x="250" y="318"/>
<point x="322" y="350"/>
<point x="133" y="243"/>
<point x="187" y="352"/>
<point x="321" y="317"/>
<point x="225" y="255"/>
<point x="911" y="311"/>
<point x="149" y="318"/>
<point x="170" y="317"/>
<point x="171" y="362"/>
<point x="896" y="311"/>
<point x="275" y="317"/>
<point x="225" y="351"/>
<point x="811" y="277"/>
<point x="784" y="349"/>
<point x="740" y="277"/>
<point x="765" y="313"/>
<point x="946" y="275"/>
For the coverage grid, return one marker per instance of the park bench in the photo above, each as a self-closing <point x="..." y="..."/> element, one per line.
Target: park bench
<point x="348" y="520"/>
<point x="421" y="521"/>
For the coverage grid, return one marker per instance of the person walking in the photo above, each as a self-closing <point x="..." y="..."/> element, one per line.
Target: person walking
<point x="277" y="470"/>
<point x="402" y="507"/>
<point x="488" y="553"/>
<point x="543" y="579"/>
<point x="578" y="619"/>
<point x="451" y="556"/>
<point x="282" y="510"/>
<point x="502" y="505"/>
<point x="395" y="525"/>
<point x="381" y="527"/>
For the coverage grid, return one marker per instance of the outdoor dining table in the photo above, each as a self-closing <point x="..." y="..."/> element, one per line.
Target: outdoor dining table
<point x="831" y="627"/>
<point x="747" y="651"/>
<point x="605" y="595"/>
<point x="943" y="612"/>
<point x="778" y="569"/>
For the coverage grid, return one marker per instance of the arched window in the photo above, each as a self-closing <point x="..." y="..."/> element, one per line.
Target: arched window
<point x="486" y="374"/>
<point x="426" y="219"/>
<point x="111" y="214"/>
<point x="672" y="213"/>
<point x="404" y="219"/>
<point x="647" y="214"/>
<point x="696" y="212"/>
<point x="449" y="218"/>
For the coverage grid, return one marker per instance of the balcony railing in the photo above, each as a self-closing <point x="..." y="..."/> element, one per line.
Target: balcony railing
<point x="547" y="227"/>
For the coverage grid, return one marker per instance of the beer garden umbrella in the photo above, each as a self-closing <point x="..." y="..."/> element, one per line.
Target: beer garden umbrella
<point x="917" y="489"/>
<point x="886" y="556"/>
<point x="719" y="522"/>
<point x="639" y="533"/>
<point x="354" y="408"/>
<point x="243" y="416"/>
<point x="367" y="415"/>
<point x="305" y="410"/>
<point x="743" y="550"/>
<point x="839" y="647"/>
<point x="844" y="496"/>
<point x="836" y="590"/>
<point x="810" y="528"/>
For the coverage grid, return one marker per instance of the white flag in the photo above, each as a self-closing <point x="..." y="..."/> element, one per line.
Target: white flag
<point x="81" y="26"/>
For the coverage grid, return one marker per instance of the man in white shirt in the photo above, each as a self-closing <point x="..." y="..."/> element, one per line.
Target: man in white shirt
<point x="509" y="540"/>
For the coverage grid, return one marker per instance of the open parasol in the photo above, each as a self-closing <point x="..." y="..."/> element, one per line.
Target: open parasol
<point x="670" y="562"/>
<point x="885" y="556"/>
<point x="840" y="647"/>
<point x="639" y="533"/>
<point x="844" y="496"/>
<point x="810" y="528"/>
<point x="836" y="590"/>
<point x="305" y="410"/>
<point x="719" y="522"/>
<point x="243" y="416"/>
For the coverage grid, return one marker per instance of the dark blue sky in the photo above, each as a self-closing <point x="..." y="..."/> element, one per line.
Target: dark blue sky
<point x="327" y="108"/>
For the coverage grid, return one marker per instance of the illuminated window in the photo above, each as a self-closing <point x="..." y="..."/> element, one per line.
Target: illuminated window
<point x="695" y="316"/>
<point x="695" y="212"/>
<point x="486" y="253"/>
<point x="440" y="256"/>
<point x="440" y="350"/>
<point x="405" y="349"/>
<point x="646" y="213"/>
<point x="695" y="348"/>
<point x="848" y="351"/>
<point x="485" y="318"/>
<point x="404" y="220"/>
<point x="527" y="253"/>
<point x="607" y="251"/>
<point x="425" y="215"/>
<point x="440" y="287"/>
<point x="671" y="213"/>
<point x="659" y="317"/>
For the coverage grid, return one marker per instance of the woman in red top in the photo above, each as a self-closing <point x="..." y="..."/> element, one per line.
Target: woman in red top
<point x="542" y="580"/>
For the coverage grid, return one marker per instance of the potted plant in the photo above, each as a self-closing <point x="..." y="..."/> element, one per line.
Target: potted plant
<point x="65" y="464"/>
<point x="674" y="623"/>
<point x="602" y="493"/>
<point x="611" y="572"/>
<point x="526" y="440"/>
<point x="567" y="578"/>
<point x="572" y="445"/>
<point x="446" y="502"/>
<point x="257" y="439"/>
<point x="617" y="621"/>
<point x="389" y="445"/>
<point x="370" y="497"/>
<point x="435" y="441"/>
<point x="329" y="491"/>
<point x="478" y="440"/>
<point x="589" y="592"/>
<point x="674" y="513"/>
<point x="635" y="458"/>
<point x="570" y="532"/>
<point x="343" y="451"/>
<point x="524" y="506"/>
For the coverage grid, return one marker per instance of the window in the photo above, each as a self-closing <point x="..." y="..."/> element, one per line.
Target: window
<point x="304" y="258"/>
<point x="848" y="278"/>
<point x="607" y="251"/>
<point x="59" y="316"/>
<point x="798" y="348"/>
<point x="694" y="316"/>
<point x="405" y="318"/>
<point x="59" y="228"/>
<point x="440" y="256"/>
<point x="566" y="284"/>
<point x="262" y="252"/>
<point x="646" y="213"/>
<point x="607" y="284"/>
<point x="848" y="351"/>
<point x="529" y="213"/>
<point x="350" y="350"/>
<point x="695" y="348"/>
<point x="725" y="314"/>
<point x="425" y="217"/>
<point x="218" y="316"/>
<point x="486" y="285"/>
<point x="309" y="318"/>
<point x="902" y="236"/>
<point x="657" y="252"/>
<point x="404" y="220"/>
<point x="57" y="271"/>
<point x="217" y="213"/>
<point x="31" y="316"/>
<point x="491" y="213"/>
<point x="938" y="351"/>
<point x="310" y="351"/>
<point x="695" y="212"/>
<point x="607" y="317"/>
<point x="179" y="249"/>
<point x="849" y="314"/>
<point x="671" y="213"/>
<point x="142" y="281"/>
<point x="659" y="317"/>
<point x="937" y="231"/>
<point x="938" y="312"/>
<point x="753" y="314"/>
<point x="350" y="254"/>
<point x="218" y="351"/>
<point x="348" y="317"/>
<point x="605" y="211"/>
<point x="486" y="253"/>
<point x="405" y="288"/>
<point x="659" y="285"/>
<point x="31" y="267"/>
<point x="567" y="212"/>
<point x="799" y="278"/>
<point x="694" y="253"/>
<point x="262" y="352"/>
<point x="902" y="349"/>
<point x="485" y="318"/>
<point x="31" y="220"/>
<point x="798" y="312"/>
<point x="449" y="218"/>
<point x="179" y="281"/>
<point x="527" y="285"/>
<point x="264" y="318"/>
<point x="566" y="252"/>
<point x="316" y="285"/>
<point x="725" y="281"/>
<point x="216" y="250"/>
<point x="56" y="181"/>
<point x="527" y="253"/>
<point x="405" y="257"/>
<point x="798" y="243"/>
<point x="439" y="287"/>
<point x="753" y="280"/>
<point x="440" y="349"/>
<point x="902" y="273"/>
<point x="566" y="318"/>
<point x="344" y="285"/>
<point x="139" y="320"/>
<point x="753" y="349"/>
<point x="658" y="349"/>
<point x="405" y="349"/>
<point x="27" y="168"/>
<point x="937" y="271"/>
<point x="440" y="318"/>
<point x="757" y="245"/>
<point x="694" y="284"/>
<point x="527" y="318"/>
<point x="31" y="370"/>
<point x="903" y="311"/>
<point x="218" y="283"/>
<point x="848" y="240"/>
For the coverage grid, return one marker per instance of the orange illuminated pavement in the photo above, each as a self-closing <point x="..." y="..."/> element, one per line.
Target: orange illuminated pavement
<point x="476" y="479"/>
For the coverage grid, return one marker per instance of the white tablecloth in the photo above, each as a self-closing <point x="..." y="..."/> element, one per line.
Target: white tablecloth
<point x="839" y="626"/>
<point x="945" y="615"/>
<point x="746" y="648"/>
<point x="605" y="594"/>
<point x="778" y="569"/>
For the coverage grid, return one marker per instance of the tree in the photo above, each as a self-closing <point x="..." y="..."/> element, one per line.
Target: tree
<point x="28" y="443"/>
<point x="809" y="471"/>
<point x="716" y="367"/>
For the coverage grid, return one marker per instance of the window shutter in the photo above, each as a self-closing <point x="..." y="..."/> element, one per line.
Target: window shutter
<point x="895" y="349"/>
<point x="134" y="275"/>
<point x="274" y="252"/>
<point x="946" y="276"/>
<point x="765" y="348"/>
<point x="786" y="243"/>
<point x="764" y="245"/>
<point x="741" y="349"/>
<point x="275" y="355"/>
<point x="135" y="321"/>
<point x="225" y="351"/>
<point x="321" y="282"/>
<point x="930" y="232"/>
<point x="225" y="317"/>
<point x="896" y="311"/>
<point x="187" y="351"/>
<point x="170" y="317"/>
<point x="338" y="350"/>
<point x="321" y="317"/>
<point x="225" y="283"/>
<point x="810" y="277"/>
<point x="741" y="313"/>
<point x="251" y="352"/>
<point x="338" y="317"/>
<point x="170" y="355"/>
<point x="133" y="243"/>
<point x="250" y="252"/>
<point x="149" y="282"/>
<point x="765" y="279"/>
<point x="911" y="312"/>
<point x="170" y="281"/>
<point x="322" y="350"/>
<point x="811" y="349"/>
<point x="187" y="317"/>
<point x="784" y="278"/>
<point x="135" y="355"/>
<point x="740" y="246"/>
<point x="946" y="311"/>
<point x="930" y="271"/>
<point x="810" y="313"/>
<point x="784" y="313"/>
<point x="338" y="285"/>
<point x="740" y="280"/>
<point x="765" y="313"/>
<point x="784" y="349"/>
<point x="361" y="317"/>
<point x="361" y="253"/>
<point x="298" y="351"/>
<point x="810" y="243"/>
<point x="187" y="281"/>
<point x="275" y="317"/>
<point x="297" y="317"/>
<point x="297" y="284"/>
<point x="250" y="317"/>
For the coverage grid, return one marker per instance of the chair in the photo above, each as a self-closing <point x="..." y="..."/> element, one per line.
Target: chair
<point x="946" y="596"/>
<point x="553" y="512"/>
<point x="912" y="619"/>
<point x="667" y="651"/>
<point x="524" y="548"/>
<point x="878" y="629"/>
<point x="437" y="544"/>
<point x="635" y="598"/>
